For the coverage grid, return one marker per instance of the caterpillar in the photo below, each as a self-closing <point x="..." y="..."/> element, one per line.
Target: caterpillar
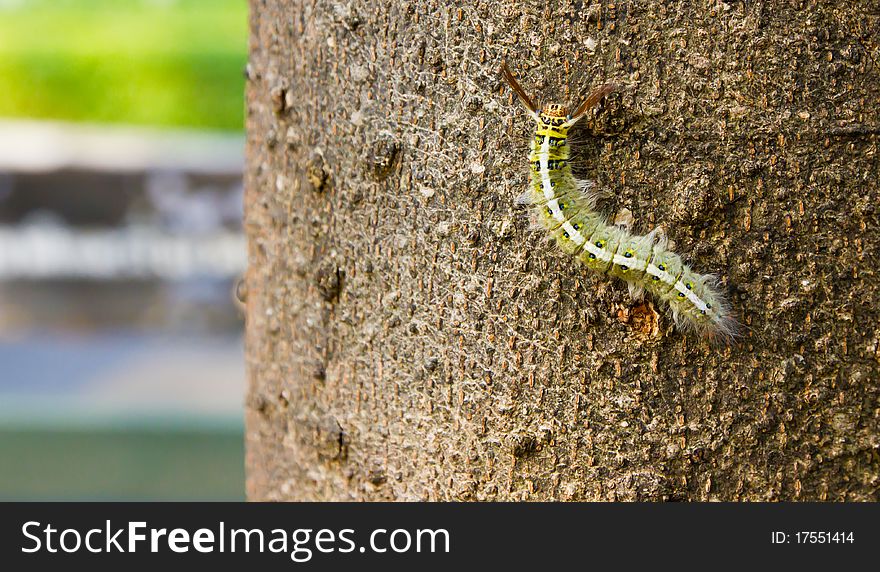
<point x="566" y="207"/>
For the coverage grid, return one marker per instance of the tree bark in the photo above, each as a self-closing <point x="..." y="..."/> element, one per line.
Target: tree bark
<point x="410" y="337"/>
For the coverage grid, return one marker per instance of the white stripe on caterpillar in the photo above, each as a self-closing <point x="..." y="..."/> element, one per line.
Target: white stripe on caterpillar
<point x="565" y="207"/>
<point x="545" y="169"/>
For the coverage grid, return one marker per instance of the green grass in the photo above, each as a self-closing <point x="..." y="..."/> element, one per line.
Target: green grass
<point x="121" y="464"/>
<point x="158" y="62"/>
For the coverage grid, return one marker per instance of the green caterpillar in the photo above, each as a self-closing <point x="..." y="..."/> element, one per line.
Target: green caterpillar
<point x="568" y="211"/>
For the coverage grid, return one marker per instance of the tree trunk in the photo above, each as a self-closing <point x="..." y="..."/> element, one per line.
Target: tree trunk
<point x="410" y="336"/>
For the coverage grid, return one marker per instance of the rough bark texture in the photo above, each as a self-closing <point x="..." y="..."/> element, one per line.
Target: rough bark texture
<point x="410" y="337"/>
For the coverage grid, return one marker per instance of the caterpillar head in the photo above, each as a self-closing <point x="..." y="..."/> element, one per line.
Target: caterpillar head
<point x="555" y="114"/>
<point x="554" y="110"/>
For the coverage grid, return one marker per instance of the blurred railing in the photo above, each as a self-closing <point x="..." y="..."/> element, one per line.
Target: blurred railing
<point x="119" y="332"/>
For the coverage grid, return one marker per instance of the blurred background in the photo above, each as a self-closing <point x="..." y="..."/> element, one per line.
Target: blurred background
<point x="121" y="155"/>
